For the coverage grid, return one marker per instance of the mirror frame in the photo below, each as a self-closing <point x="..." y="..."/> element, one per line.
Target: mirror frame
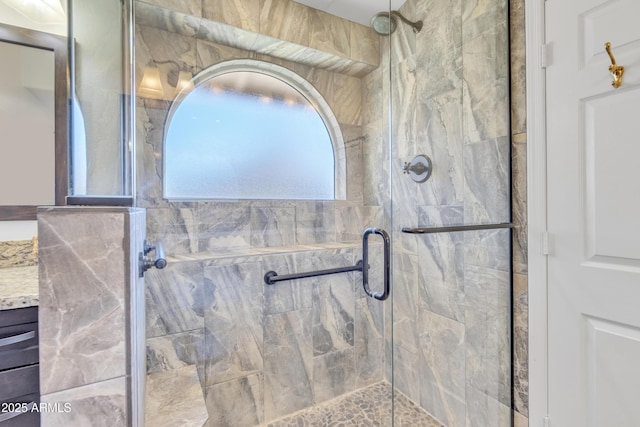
<point x="58" y="45"/>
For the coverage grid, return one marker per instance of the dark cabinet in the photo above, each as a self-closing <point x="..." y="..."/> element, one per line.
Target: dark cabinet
<point x="19" y="374"/>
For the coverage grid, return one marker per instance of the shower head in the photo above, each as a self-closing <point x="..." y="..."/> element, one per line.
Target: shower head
<point x="385" y="23"/>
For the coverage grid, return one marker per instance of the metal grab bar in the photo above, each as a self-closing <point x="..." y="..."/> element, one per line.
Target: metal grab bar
<point x="387" y="263"/>
<point x="271" y="277"/>
<point x="455" y="228"/>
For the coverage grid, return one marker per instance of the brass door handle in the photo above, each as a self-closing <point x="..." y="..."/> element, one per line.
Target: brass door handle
<point x="616" y="70"/>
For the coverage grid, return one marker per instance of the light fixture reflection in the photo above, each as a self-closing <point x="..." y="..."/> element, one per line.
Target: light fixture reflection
<point x="151" y="86"/>
<point x="42" y="11"/>
<point x="184" y="82"/>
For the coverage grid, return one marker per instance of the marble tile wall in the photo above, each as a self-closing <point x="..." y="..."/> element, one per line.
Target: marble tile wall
<point x="449" y="100"/>
<point x="279" y="28"/>
<point x="87" y="315"/>
<point x="452" y="308"/>
<point x="273" y="349"/>
<point x="276" y="349"/>
<point x="519" y="210"/>
<point x="166" y="41"/>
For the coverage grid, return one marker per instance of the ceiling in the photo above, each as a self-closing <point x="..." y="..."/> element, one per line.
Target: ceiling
<point x="360" y="11"/>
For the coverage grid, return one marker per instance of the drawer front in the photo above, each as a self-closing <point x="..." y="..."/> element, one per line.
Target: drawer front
<point x="18" y="345"/>
<point x="19" y="382"/>
<point x="18" y="316"/>
<point x="20" y="416"/>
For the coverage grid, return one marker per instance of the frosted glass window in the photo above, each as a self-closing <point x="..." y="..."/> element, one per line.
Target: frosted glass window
<point x="247" y="135"/>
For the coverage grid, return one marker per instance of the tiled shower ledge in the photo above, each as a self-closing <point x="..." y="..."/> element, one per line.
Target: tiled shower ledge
<point x="259" y="252"/>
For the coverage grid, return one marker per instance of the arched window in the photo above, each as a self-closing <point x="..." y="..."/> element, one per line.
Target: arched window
<point x="252" y="130"/>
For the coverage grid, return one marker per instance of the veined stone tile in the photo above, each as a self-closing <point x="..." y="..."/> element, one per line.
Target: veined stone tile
<point x="406" y="366"/>
<point x="233" y="321"/>
<point x="315" y="222"/>
<point x="521" y="344"/>
<point x="209" y="53"/>
<point x="486" y="113"/>
<point x="365" y="44"/>
<point x="347" y="99"/>
<point x="333" y="306"/>
<point x="328" y="33"/>
<point x="480" y="16"/>
<point x="285" y="20"/>
<point x="82" y="305"/>
<point x="517" y="44"/>
<point x="519" y="202"/>
<point x="272" y="226"/>
<point x="487" y="248"/>
<point x="520" y="420"/>
<point x="169" y="352"/>
<point x="168" y="53"/>
<point x="441" y="274"/>
<point x="405" y="302"/>
<point x="447" y="407"/>
<point x="369" y="344"/>
<point x="226" y="34"/>
<point x="482" y="410"/>
<point x="440" y="133"/>
<point x="237" y="403"/>
<point x="149" y="125"/>
<point x="174" y="398"/>
<point x="88" y="405"/>
<point x="187" y="7"/>
<point x="175" y="296"/>
<point x="175" y="228"/>
<point x="182" y="19"/>
<point x="243" y="14"/>
<point x="442" y="367"/>
<point x="288" y="295"/>
<point x="288" y="362"/>
<point x="333" y="374"/>
<point x="488" y="324"/>
<point x="486" y="169"/>
<point x="223" y="225"/>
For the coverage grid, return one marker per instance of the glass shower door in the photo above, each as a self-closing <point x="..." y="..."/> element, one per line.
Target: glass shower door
<point x="225" y="347"/>
<point x="451" y="313"/>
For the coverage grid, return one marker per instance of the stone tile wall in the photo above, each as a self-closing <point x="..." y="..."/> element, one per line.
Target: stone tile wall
<point x="451" y="307"/>
<point x="89" y="292"/>
<point x="275" y="349"/>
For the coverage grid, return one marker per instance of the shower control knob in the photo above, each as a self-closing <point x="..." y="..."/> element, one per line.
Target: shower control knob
<point x="419" y="169"/>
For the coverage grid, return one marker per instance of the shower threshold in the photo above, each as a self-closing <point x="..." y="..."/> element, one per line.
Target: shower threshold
<point x="369" y="406"/>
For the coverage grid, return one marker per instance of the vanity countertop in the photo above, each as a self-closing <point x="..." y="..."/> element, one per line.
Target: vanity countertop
<point x="18" y="287"/>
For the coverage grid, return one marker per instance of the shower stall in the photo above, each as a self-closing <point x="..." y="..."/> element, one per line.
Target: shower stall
<point x="404" y="317"/>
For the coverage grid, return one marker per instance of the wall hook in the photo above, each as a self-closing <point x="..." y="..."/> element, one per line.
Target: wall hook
<point x="616" y="70"/>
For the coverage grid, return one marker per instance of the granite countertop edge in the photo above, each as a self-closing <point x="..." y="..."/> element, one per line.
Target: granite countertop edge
<point x="18" y="287"/>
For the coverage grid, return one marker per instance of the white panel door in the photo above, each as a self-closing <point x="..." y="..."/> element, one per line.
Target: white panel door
<point x="593" y="147"/>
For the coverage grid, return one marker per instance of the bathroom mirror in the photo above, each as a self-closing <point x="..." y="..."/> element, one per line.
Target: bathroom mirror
<point x="33" y="121"/>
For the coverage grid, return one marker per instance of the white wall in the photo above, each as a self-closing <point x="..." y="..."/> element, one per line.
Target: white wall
<point x="18" y="230"/>
<point x="12" y="17"/>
